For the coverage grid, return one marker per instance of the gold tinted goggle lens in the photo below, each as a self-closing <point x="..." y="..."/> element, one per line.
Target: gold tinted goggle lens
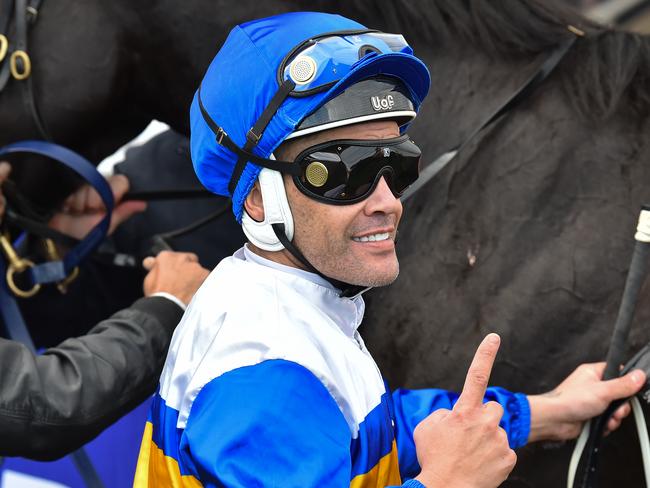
<point x="316" y="174"/>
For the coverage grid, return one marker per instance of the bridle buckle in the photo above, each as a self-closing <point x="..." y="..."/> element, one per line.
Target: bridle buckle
<point x="53" y="255"/>
<point x="220" y="135"/>
<point x="20" y="72"/>
<point x="16" y="265"/>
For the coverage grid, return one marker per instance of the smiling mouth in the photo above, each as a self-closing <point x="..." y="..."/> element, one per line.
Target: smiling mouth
<point x="373" y="237"/>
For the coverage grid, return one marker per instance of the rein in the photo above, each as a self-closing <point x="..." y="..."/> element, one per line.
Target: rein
<point x="590" y="441"/>
<point x="15" y="61"/>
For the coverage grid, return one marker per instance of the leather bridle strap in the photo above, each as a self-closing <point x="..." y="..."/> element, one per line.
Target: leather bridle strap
<point x="6" y="12"/>
<point x="513" y="101"/>
<point x="176" y="194"/>
<point x="16" y="63"/>
<point x="37" y="228"/>
<point x="160" y="242"/>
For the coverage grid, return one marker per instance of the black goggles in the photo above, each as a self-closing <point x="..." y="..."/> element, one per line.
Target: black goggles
<point x="348" y="171"/>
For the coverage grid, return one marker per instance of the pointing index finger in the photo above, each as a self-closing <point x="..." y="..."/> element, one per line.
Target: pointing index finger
<point x="478" y="374"/>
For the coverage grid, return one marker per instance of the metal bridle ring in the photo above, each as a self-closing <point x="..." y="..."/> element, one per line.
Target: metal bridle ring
<point x="11" y="271"/>
<point x="13" y="64"/>
<point x="4" y="46"/>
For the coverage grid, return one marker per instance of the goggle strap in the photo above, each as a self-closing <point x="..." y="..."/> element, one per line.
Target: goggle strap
<point x="347" y="290"/>
<point x="256" y="132"/>
<point x="224" y="140"/>
<point x="285" y="167"/>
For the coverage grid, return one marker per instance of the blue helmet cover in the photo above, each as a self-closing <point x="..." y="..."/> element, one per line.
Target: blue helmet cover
<point x="242" y="79"/>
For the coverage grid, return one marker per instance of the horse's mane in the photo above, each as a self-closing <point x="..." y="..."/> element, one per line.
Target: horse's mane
<point x="606" y="70"/>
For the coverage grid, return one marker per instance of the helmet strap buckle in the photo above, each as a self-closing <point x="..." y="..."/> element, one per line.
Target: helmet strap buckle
<point x="220" y="135"/>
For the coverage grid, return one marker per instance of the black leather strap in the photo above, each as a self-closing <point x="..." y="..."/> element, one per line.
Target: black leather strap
<point x="280" y="233"/>
<point x="39" y="229"/>
<point x="21" y="25"/>
<point x="513" y="101"/>
<point x="28" y="90"/>
<point x="161" y="241"/>
<point x="25" y="14"/>
<point x="6" y="9"/>
<point x="257" y="131"/>
<point x="175" y="194"/>
<point x="224" y="139"/>
<point x="6" y="13"/>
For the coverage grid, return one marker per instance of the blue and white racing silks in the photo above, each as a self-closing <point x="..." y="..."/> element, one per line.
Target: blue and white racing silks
<point x="268" y="383"/>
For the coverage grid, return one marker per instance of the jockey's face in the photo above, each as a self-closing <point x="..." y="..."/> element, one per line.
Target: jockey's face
<point x="334" y="238"/>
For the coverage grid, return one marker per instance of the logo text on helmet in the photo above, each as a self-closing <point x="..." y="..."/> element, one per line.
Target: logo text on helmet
<point x="382" y="103"/>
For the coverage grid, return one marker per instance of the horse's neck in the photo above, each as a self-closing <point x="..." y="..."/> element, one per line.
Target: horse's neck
<point x="467" y="87"/>
<point x="172" y="43"/>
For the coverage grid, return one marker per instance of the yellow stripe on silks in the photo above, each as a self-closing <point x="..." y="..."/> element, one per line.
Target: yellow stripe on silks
<point x="156" y="470"/>
<point x="385" y="472"/>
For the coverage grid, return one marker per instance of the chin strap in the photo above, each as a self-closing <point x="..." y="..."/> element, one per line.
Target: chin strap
<point x="347" y="290"/>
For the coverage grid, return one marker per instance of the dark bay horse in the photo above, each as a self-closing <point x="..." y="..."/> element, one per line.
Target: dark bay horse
<point x="528" y="232"/>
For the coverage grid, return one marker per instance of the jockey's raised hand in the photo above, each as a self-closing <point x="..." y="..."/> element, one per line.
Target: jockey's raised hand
<point x="82" y="210"/>
<point x="465" y="447"/>
<point x="5" y="169"/>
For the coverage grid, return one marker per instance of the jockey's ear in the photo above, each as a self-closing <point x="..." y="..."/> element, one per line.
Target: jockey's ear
<point x="253" y="205"/>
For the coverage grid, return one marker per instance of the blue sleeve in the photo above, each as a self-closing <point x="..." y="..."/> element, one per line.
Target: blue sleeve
<point x="412" y="406"/>
<point x="272" y="424"/>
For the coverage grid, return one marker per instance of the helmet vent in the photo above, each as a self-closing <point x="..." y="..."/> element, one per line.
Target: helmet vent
<point x="316" y="174"/>
<point x="302" y="69"/>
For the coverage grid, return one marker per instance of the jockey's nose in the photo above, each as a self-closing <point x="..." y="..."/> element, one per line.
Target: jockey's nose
<point x="383" y="200"/>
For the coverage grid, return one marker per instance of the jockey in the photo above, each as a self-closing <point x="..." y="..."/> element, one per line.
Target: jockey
<point x="301" y="118"/>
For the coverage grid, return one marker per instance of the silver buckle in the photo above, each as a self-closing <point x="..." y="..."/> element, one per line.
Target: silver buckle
<point x="220" y="135"/>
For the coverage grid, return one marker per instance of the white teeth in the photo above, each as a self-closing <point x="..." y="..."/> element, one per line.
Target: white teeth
<point x="373" y="237"/>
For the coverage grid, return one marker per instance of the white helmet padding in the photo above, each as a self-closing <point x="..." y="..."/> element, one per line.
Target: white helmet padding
<point x="276" y="211"/>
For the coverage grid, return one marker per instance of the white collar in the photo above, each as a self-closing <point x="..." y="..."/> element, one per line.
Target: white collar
<point x="301" y="273"/>
<point x="346" y="312"/>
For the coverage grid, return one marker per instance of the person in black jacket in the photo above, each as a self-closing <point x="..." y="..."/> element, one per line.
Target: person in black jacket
<point x="53" y="403"/>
